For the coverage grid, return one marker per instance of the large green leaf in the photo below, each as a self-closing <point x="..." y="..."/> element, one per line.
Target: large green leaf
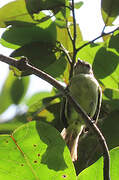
<point x="106" y="67"/>
<point x="39" y="54"/>
<point x="44" y="56"/>
<point x="110" y="128"/>
<point x="35" y="151"/>
<point x="15" y="37"/>
<point x="13" y="90"/>
<point x="35" y="6"/>
<point x="102" y="60"/>
<point x="25" y="13"/>
<point x="110" y="10"/>
<point x="57" y="68"/>
<point x="114" y="41"/>
<point x="95" y="171"/>
<point x="18" y="89"/>
<point x="63" y="37"/>
<point x="110" y="100"/>
<point x="62" y="15"/>
<point x="13" y="12"/>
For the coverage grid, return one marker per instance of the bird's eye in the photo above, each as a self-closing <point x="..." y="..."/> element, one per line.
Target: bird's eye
<point x="88" y="65"/>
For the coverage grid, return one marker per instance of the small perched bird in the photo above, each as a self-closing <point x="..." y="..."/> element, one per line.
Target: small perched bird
<point x="85" y="89"/>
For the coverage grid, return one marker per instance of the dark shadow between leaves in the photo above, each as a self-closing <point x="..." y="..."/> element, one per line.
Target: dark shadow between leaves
<point x="53" y="156"/>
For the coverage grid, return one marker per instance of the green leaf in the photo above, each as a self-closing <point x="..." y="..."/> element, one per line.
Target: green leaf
<point x="26" y="13"/>
<point x="110" y="10"/>
<point x="114" y="41"/>
<point x="110" y="100"/>
<point x="110" y="126"/>
<point x="77" y="5"/>
<point x="39" y="101"/>
<point x="62" y="15"/>
<point x="15" y="11"/>
<point x="44" y="56"/>
<point x="15" y="37"/>
<point x="63" y="37"/>
<point x="35" y="151"/>
<point x="109" y="76"/>
<point x="104" y="59"/>
<point x="58" y="68"/>
<point x="12" y="94"/>
<point x="95" y="171"/>
<point x="39" y="54"/>
<point x="36" y="5"/>
<point x="19" y="89"/>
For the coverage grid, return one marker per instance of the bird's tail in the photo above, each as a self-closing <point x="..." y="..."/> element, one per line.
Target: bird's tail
<point x="71" y="138"/>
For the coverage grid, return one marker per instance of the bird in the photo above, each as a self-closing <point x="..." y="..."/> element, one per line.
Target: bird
<point x="85" y="89"/>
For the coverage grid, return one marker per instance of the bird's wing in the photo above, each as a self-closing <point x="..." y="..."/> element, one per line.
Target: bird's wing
<point x="62" y="112"/>
<point x="96" y="115"/>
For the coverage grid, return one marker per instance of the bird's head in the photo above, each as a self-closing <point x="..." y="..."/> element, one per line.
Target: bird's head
<point x="82" y="67"/>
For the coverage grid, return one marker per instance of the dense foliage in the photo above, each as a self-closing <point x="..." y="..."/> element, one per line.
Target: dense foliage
<point x="30" y="144"/>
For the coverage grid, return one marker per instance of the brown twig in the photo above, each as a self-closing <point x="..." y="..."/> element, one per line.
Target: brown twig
<point x="23" y="65"/>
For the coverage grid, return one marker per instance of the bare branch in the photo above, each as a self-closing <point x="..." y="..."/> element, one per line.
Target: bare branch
<point x="90" y="42"/>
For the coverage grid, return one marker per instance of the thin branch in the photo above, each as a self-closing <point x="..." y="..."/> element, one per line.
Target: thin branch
<point x="23" y="65"/>
<point x="74" y="22"/>
<point x="90" y="42"/>
<point x="74" y="40"/>
<point x="69" y="33"/>
<point x="103" y="29"/>
<point x="66" y="53"/>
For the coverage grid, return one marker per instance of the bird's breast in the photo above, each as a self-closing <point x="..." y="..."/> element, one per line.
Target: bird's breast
<point x="84" y="89"/>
